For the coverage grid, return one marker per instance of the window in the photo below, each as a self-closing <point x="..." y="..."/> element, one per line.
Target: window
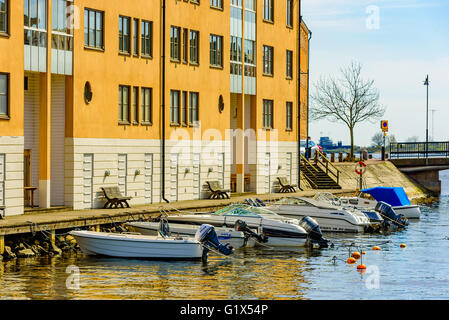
<point x="290" y="13"/>
<point x="147" y="105"/>
<point x="268" y="10"/>
<point x="3" y="16"/>
<point x="289" y="112"/>
<point x="174" y="110"/>
<point x="146" y="43"/>
<point x="135" y="110"/>
<point x="123" y="104"/>
<point x="268" y="60"/>
<point x="193" y="108"/>
<point x="250" y="58"/>
<point x="289" y="62"/>
<point x="93" y="28"/>
<point x="123" y="31"/>
<point x="236" y="55"/>
<point x="4" y="95"/>
<point x="268" y="114"/>
<point x="216" y="4"/>
<point x="136" y="37"/>
<point x="175" y="42"/>
<point x="194" y="47"/>
<point x="185" y="43"/>
<point x="216" y="50"/>
<point x="184" y="108"/>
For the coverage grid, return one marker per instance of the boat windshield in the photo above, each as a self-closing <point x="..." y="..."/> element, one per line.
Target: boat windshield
<point x="243" y="210"/>
<point x="291" y="201"/>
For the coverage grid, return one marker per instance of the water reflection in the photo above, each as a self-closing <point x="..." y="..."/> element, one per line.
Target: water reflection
<point x="417" y="272"/>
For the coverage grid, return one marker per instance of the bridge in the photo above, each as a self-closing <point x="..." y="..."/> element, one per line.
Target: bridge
<point x="421" y="161"/>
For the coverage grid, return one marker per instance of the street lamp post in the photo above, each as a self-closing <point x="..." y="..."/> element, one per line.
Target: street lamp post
<point x="426" y="83"/>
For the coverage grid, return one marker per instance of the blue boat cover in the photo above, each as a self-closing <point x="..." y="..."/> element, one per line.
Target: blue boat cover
<point x="393" y="196"/>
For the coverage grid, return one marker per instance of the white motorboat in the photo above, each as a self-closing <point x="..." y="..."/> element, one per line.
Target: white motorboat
<point x="330" y="217"/>
<point x="236" y="239"/>
<point x="137" y="246"/>
<point x="278" y="230"/>
<point x="396" y="197"/>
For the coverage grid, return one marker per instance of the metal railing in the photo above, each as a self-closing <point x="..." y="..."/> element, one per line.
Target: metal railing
<point x="419" y="150"/>
<point x="311" y="174"/>
<point x="327" y="166"/>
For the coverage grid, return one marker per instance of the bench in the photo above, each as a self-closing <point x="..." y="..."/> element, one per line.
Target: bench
<point x="114" y="198"/>
<point x="217" y="192"/>
<point x="285" y="186"/>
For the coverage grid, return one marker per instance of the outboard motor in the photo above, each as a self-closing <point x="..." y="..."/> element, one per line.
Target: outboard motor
<point x="164" y="229"/>
<point x="241" y="225"/>
<point x="314" y="232"/>
<point x="388" y="213"/>
<point x="208" y="237"/>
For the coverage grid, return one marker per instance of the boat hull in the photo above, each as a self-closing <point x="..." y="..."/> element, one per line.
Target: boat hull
<point x="136" y="246"/>
<point x="234" y="238"/>
<point x="410" y="212"/>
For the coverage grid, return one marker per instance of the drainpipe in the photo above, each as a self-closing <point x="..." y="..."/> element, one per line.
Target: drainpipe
<point x="163" y="102"/>
<point x="299" y="96"/>
<point x="308" y="86"/>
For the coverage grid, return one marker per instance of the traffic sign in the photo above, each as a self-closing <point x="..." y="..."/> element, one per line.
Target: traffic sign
<point x="384" y="125"/>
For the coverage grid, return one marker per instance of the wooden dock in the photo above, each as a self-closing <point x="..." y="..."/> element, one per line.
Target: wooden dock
<point x="53" y="221"/>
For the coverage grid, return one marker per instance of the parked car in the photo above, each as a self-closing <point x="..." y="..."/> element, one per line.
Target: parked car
<point x="312" y="145"/>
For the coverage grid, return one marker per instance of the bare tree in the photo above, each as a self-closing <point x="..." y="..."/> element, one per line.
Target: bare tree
<point x="349" y="99"/>
<point x="378" y="140"/>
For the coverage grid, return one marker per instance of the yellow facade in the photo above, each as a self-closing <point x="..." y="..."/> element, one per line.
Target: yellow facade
<point x="94" y="125"/>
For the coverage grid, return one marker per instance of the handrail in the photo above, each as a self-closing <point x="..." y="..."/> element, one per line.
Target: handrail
<point x="307" y="161"/>
<point x="326" y="165"/>
<point x="313" y="172"/>
<point x="419" y="149"/>
<point x="328" y="161"/>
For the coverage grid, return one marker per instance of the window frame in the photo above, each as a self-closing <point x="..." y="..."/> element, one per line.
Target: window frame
<point x="193" y="122"/>
<point x="135" y="105"/>
<point x="185" y="45"/>
<point x="185" y="108"/>
<point x="143" y="38"/>
<point x="195" y="49"/>
<point x="289" y="116"/>
<point x="87" y="41"/>
<point x="121" y="105"/>
<point x="136" y="37"/>
<point x="289" y="64"/>
<point x="289" y="13"/>
<point x="122" y="35"/>
<point x="265" y="58"/>
<point x="268" y="12"/>
<point x="267" y="114"/>
<point x="143" y="105"/>
<point x="6" y="116"/>
<point x="175" y="44"/>
<point x="6" y="14"/>
<point x="214" y="6"/>
<point x="216" y="52"/>
<point x="175" y="109"/>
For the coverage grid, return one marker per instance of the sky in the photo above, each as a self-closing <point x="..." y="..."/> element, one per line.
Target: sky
<point x="397" y="42"/>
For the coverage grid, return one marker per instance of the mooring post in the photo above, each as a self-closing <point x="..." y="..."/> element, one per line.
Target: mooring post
<point x="52" y="237"/>
<point x="2" y="244"/>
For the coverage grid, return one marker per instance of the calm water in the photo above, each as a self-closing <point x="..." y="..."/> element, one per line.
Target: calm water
<point x="420" y="271"/>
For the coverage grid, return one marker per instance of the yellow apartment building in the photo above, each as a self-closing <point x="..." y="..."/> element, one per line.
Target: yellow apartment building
<point x="156" y="97"/>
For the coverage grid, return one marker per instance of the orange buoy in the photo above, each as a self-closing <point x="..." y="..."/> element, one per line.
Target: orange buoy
<point x="361" y="267"/>
<point x="376" y="248"/>
<point x="356" y="255"/>
<point x="403" y="245"/>
<point x="363" y="252"/>
<point x="351" y="260"/>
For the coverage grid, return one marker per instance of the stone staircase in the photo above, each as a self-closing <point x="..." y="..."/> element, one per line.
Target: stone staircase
<point x="320" y="173"/>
